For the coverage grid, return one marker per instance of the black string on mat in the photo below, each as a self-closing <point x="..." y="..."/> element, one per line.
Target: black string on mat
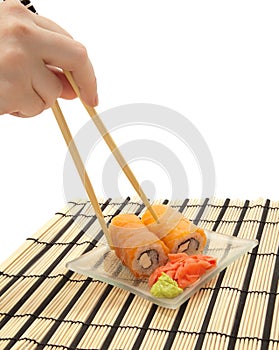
<point x="214" y="296"/>
<point x="143" y="328"/>
<point x="39" y="281"/>
<point x="243" y="295"/>
<point x="179" y="316"/>
<point x="154" y="307"/>
<point x="39" y="255"/>
<point x="83" y="287"/>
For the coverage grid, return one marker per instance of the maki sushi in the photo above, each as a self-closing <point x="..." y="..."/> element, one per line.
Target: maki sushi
<point x="138" y="248"/>
<point x="178" y="233"/>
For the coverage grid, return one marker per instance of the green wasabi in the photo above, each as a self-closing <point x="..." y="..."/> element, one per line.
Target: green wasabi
<point x="165" y="287"/>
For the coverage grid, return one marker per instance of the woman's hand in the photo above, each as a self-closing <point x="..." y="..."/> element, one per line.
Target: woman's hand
<point x="33" y="53"/>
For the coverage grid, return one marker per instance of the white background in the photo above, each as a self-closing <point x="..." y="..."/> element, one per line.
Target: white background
<point x="216" y="62"/>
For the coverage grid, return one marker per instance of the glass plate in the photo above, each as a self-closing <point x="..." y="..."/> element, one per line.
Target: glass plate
<point x="102" y="264"/>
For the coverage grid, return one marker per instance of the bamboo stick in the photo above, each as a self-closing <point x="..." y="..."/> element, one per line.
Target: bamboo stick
<point x="80" y="167"/>
<point x="112" y="146"/>
<point x="223" y="313"/>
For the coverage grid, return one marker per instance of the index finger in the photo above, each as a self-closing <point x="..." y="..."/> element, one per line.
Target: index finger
<point x="87" y="84"/>
<point x="63" y="52"/>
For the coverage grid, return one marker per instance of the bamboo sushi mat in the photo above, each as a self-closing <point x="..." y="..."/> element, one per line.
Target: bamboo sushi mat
<point x="45" y="306"/>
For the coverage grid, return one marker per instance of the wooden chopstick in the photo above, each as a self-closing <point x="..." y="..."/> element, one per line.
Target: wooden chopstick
<point x="80" y="168"/>
<point x="112" y="146"/>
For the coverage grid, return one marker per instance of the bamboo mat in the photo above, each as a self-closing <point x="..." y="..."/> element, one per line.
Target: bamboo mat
<point x="45" y="306"/>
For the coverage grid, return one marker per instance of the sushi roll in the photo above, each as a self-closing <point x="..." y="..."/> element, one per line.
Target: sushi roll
<point x="168" y="219"/>
<point x="178" y="233"/>
<point x="137" y="248"/>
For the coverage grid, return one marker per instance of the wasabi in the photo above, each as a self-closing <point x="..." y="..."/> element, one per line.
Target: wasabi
<point x="165" y="287"/>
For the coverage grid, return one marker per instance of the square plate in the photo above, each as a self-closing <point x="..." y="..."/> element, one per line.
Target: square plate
<point x="102" y="264"/>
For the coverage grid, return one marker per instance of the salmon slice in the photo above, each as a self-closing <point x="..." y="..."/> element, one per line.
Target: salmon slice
<point x="137" y="248"/>
<point x="177" y="232"/>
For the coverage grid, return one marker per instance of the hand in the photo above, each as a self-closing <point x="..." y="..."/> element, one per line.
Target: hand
<point x="34" y="51"/>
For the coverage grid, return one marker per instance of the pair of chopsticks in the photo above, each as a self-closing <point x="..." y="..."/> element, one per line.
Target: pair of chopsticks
<point x="80" y="166"/>
<point x="77" y="159"/>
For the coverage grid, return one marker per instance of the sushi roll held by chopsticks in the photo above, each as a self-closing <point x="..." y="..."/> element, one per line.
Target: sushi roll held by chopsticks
<point x="178" y="233"/>
<point x="138" y="248"/>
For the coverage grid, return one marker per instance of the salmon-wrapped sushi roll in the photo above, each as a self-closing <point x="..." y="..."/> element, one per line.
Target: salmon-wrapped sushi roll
<point x="138" y="248"/>
<point x="177" y="232"/>
<point x="168" y="217"/>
